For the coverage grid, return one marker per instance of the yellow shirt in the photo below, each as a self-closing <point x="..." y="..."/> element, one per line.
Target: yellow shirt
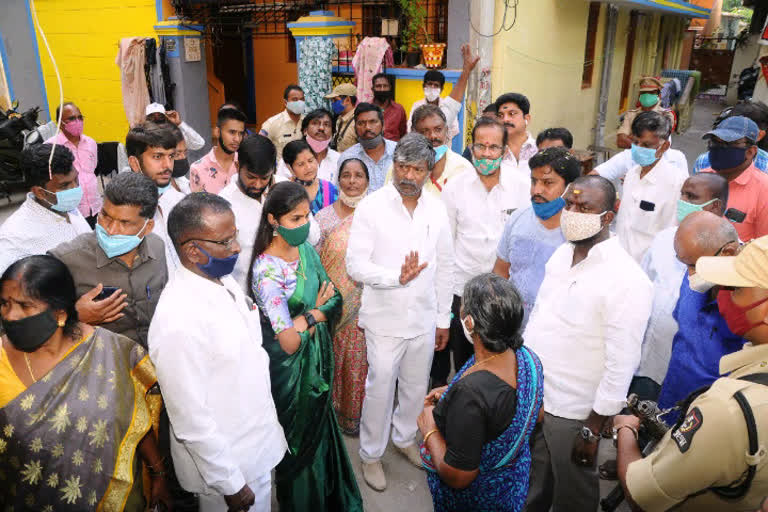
<point x="10" y="384"/>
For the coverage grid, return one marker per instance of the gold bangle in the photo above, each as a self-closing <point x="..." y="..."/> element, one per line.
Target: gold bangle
<point x="429" y="434"/>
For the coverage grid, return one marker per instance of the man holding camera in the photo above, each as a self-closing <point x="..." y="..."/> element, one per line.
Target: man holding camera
<point x="715" y="457"/>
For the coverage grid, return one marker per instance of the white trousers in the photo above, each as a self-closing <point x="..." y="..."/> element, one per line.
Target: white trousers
<point x="404" y="362"/>
<point x="262" y="488"/>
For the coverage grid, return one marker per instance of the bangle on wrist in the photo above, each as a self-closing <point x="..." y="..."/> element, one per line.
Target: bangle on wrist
<point x="429" y="434"/>
<point x="618" y="428"/>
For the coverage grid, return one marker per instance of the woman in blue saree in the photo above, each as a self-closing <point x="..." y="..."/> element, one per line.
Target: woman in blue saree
<point x="477" y="429"/>
<point x="298" y="306"/>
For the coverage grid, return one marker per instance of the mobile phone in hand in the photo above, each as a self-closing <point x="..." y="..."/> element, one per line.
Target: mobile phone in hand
<point x="105" y="293"/>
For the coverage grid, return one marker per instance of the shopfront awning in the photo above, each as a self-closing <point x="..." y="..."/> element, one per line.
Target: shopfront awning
<point x="677" y="7"/>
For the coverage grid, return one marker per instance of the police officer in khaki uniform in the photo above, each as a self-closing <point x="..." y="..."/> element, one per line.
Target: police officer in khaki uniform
<point x="650" y="99"/>
<point x="716" y="458"/>
<point x="343" y="100"/>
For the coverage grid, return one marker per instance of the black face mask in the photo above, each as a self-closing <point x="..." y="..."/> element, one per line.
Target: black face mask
<point x="28" y="334"/>
<point x="382" y="96"/>
<point x="180" y="168"/>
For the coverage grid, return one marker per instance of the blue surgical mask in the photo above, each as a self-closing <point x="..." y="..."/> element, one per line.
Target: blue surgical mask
<point x="161" y="190"/>
<point x="643" y="156"/>
<point x="66" y="200"/>
<point x="338" y="107"/>
<point x="217" y="267"/>
<point x="548" y="210"/>
<point x="116" y="245"/>
<point x="440" y="152"/>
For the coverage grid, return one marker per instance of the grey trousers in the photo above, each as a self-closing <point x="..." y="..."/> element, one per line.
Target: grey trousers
<point x="557" y="482"/>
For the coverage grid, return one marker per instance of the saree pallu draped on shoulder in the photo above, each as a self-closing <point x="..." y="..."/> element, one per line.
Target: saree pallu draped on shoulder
<point x="316" y="473"/>
<point x="68" y="442"/>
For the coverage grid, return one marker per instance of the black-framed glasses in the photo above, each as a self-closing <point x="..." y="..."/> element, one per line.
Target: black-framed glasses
<point x="227" y="244"/>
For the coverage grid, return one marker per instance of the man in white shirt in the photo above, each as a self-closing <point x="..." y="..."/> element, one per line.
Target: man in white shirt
<point x="513" y="109"/>
<point x="151" y="149"/>
<point x="617" y="167"/>
<point x="317" y="128"/>
<point x="49" y="215"/>
<point x="587" y="327"/>
<point x="205" y="343"/>
<point x="400" y="248"/>
<point x="706" y="191"/>
<point x="651" y="188"/>
<point x="434" y="83"/>
<point x="429" y="121"/>
<point x="156" y="113"/>
<point x="478" y="202"/>
<point x="532" y="234"/>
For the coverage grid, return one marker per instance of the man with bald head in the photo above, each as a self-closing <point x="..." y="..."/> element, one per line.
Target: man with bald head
<point x="708" y="192"/>
<point x="703" y="336"/>
<point x="593" y="304"/>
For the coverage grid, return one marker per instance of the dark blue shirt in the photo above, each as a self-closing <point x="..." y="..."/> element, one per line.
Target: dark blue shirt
<point x="702" y="339"/>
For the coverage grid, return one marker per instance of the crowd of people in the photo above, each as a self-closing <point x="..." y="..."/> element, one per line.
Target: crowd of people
<point x="196" y="334"/>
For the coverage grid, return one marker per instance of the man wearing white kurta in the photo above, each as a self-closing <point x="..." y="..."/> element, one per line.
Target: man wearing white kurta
<point x="400" y="248"/>
<point x="205" y="343"/>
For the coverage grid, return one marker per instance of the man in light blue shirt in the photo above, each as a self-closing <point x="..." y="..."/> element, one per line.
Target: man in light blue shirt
<point x="532" y="234"/>
<point x="372" y="148"/>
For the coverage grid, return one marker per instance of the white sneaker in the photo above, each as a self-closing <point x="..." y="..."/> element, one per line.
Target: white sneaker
<point x="411" y="452"/>
<point x="373" y="474"/>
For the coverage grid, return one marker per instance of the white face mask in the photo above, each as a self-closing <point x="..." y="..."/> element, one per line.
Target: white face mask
<point x="431" y="93"/>
<point x="467" y="332"/>
<point x="577" y="226"/>
<point x="352" y="202"/>
<point x="699" y="284"/>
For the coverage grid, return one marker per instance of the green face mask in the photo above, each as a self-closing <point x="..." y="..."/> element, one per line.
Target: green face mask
<point x="294" y="236"/>
<point x="487" y="166"/>
<point x="685" y="208"/>
<point x="648" y="100"/>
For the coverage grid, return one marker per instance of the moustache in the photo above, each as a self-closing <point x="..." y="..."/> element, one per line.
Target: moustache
<point x="369" y="135"/>
<point x="509" y="125"/>
<point x="541" y="199"/>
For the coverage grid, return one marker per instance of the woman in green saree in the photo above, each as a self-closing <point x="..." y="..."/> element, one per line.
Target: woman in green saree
<point x="298" y="305"/>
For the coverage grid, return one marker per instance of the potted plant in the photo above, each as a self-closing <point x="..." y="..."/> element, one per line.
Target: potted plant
<point x="414" y="30"/>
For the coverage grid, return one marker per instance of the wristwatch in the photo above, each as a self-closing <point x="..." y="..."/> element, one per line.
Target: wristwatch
<point x="310" y="318"/>
<point x="588" y="435"/>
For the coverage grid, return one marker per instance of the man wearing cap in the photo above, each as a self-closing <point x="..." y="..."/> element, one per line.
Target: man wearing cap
<point x="732" y="149"/>
<point x="692" y="363"/>
<point x="714" y="459"/>
<point x="343" y="101"/>
<point x="157" y="114"/>
<point x="649" y="99"/>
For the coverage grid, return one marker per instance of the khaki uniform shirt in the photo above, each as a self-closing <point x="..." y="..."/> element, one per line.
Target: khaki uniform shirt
<point x="142" y="284"/>
<point x="346" y="135"/>
<point x="710" y="447"/>
<point x="629" y="117"/>
<point x="281" y="130"/>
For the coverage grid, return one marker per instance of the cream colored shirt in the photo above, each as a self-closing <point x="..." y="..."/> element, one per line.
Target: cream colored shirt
<point x="281" y="130"/>
<point x="347" y="135"/>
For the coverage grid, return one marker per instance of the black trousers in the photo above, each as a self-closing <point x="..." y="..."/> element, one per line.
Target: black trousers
<point x="457" y="344"/>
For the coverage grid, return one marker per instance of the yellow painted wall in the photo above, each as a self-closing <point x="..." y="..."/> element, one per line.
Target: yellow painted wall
<point x="543" y="59"/>
<point x="408" y="92"/>
<point x="83" y="35"/>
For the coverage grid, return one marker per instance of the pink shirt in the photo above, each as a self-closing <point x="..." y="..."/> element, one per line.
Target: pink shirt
<point x="749" y="194"/>
<point x="86" y="156"/>
<point x="208" y="175"/>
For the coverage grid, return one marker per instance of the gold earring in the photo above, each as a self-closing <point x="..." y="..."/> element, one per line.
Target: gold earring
<point x="61" y="322"/>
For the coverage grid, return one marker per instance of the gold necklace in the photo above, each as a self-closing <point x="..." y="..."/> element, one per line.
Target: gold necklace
<point x="29" y="367"/>
<point x="484" y="361"/>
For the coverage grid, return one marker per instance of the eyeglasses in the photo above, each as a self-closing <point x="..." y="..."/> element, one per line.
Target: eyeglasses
<point x="227" y="244"/>
<point x="492" y="148"/>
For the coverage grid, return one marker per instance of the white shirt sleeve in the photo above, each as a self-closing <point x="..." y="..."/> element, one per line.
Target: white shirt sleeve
<point x="625" y="319"/>
<point x="359" y="258"/>
<point x="616" y="167"/>
<point x="444" y="276"/>
<point x="450" y="108"/>
<point x="191" y="137"/>
<point x="314" y="231"/>
<point x="180" y="360"/>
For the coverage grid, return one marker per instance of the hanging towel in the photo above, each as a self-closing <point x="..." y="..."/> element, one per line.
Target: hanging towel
<point x="130" y="60"/>
<point x="371" y="54"/>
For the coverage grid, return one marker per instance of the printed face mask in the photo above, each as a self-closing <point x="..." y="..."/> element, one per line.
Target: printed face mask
<point x="578" y="226"/>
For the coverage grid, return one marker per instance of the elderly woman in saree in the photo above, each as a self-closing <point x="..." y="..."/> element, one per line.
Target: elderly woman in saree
<point x="73" y="402"/>
<point x="299" y="305"/>
<point x="477" y="429"/>
<point x="351" y="365"/>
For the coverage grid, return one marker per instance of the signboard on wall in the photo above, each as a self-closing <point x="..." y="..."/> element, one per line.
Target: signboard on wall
<point x="192" y="49"/>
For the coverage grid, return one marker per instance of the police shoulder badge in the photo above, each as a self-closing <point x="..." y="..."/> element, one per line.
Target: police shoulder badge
<point x="683" y="436"/>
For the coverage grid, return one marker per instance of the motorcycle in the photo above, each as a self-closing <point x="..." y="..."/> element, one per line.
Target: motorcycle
<point x="14" y="128"/>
